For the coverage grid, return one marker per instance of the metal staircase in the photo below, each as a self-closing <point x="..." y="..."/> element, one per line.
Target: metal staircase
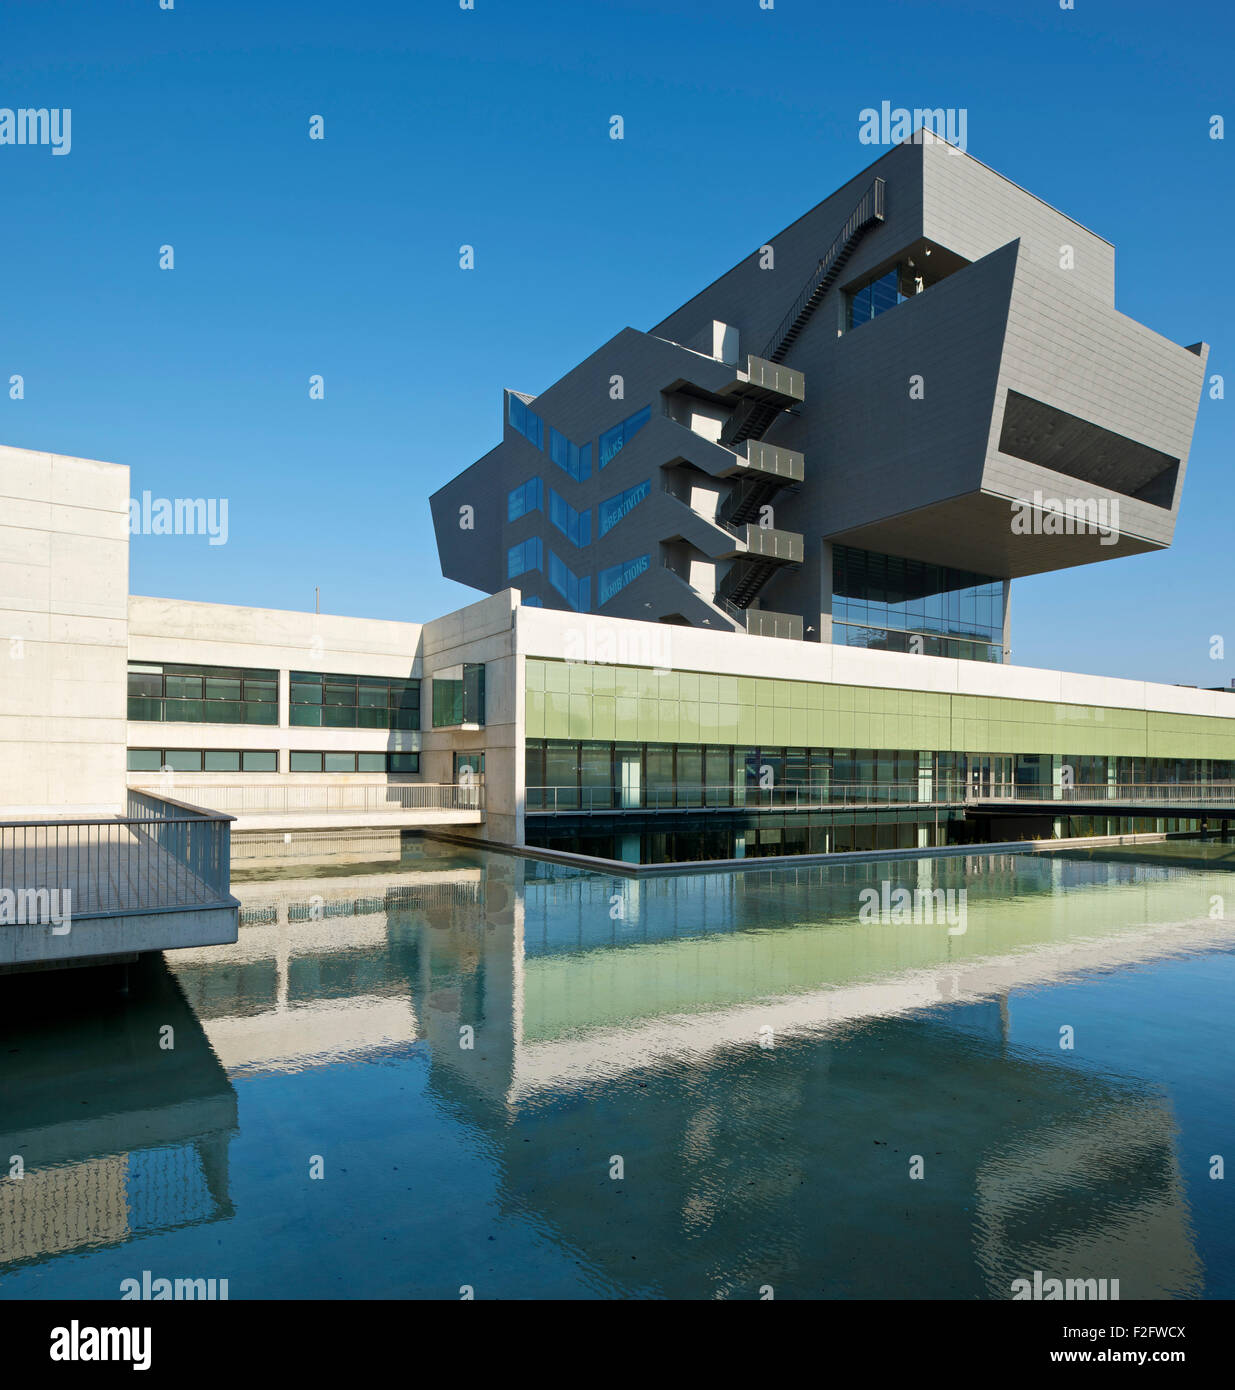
<point x="747" y="576"/>
<point x="747" y="499"/>
<point x="753" y="419"/>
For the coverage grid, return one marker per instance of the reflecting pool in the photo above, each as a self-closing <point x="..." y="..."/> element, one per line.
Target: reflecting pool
<point x="914" y="1079"/>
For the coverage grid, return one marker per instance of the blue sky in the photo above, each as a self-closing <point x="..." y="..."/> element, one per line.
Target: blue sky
<point x="490" y="127"/>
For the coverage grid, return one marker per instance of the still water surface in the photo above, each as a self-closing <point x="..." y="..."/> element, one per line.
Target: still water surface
<point x="766" y="1065"/>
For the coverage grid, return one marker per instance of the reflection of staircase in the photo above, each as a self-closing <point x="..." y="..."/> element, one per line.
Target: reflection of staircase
<point x="753" y="419"/>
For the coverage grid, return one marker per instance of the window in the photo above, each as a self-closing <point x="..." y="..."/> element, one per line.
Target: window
<point x="895" y="286"/>
<point x="531" y="601"/>
<point x="523" y="557"/>
<point x="322" y="701"/>
<point x="472" y="765"/>
<point x="618" y="576"/>
<point x="575" y="459"/>
<point x="203" y="760"/>
<point x="575" y="590"/>
<point x="613" y="441"/>
<point x="355" y="762"/>
<point x="613" y="509"/>
<point x="459" y="696"/>
<point x="575" y="526"/>
<point x="180" y="694"/>
<point x="888" y="603"/>
<point x="529" y="424"/>
<point x="529" y="497"/>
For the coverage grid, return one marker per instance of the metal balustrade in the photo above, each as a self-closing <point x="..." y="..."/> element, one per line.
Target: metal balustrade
<point x="290" y="798"/>
<point x="161" y="856"/>
<point x="700" y="796"/>
<point x="1137" y="798"/>
<point x="1137" y="794"/>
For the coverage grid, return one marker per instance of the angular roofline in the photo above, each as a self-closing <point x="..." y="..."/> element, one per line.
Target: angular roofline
<point x="814" y="208"/>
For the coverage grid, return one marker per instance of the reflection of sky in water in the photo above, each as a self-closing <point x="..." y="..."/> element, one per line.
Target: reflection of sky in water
<point x="624" y="1016"/>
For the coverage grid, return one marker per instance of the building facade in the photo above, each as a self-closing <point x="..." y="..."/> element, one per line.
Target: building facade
<point x="629" y="739"/>
<point x="859" y="435"/>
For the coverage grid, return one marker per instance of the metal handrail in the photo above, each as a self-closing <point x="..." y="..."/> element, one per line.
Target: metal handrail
<point x="869" y="209"/>
<point x="273" y="798"/>
<point x="787" y="796"/>
<point x="163" y="856"/>
<point x="817" y="796"/>
<point x="1218" y="793"/>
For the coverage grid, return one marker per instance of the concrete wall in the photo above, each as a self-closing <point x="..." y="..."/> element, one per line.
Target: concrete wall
<point x="64" y="578"/>
<point x="483" y="631"/>
<point x="221" y="634"/>
<point x="217" y="634"/>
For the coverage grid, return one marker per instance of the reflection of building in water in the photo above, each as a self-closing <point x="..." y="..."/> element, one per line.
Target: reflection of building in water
<point x="1107" y="1181"/>
<point x="321" y="967"/>
<point x="147" y="1154"/>
<point x="574" y="1016"/>
<point x="639" y="1036"/>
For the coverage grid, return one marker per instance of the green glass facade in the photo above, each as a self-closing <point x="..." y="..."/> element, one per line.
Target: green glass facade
<point x="603" y="703"/>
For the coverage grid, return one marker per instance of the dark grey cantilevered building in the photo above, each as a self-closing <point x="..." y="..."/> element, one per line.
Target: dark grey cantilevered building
<point x="860" y="434"/>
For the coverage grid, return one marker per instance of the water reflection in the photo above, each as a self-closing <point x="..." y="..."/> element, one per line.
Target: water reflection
<point x="765" y="1064"/>
<point x="112" y="1107"/>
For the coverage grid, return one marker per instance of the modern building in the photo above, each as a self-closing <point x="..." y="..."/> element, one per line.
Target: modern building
<point x="521" y="724"/>
<point x="848" y="446"/>
<point x="860" y="435"/>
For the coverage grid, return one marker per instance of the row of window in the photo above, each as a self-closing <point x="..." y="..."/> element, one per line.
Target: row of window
<point x="572" y="774"/>
<point x="573" y="459"/>
<point x="353" y="702"/>
<point x="265" y="760"/>
<point x="881" y="639"/>
<point x="576" y="526"/>
<point x="184" y="694"/>
<point x="190" y="694"/>
<point x="575" y="589"/>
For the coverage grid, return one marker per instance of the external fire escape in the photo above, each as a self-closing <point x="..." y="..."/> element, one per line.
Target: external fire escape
<point x="768" y="388"/>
